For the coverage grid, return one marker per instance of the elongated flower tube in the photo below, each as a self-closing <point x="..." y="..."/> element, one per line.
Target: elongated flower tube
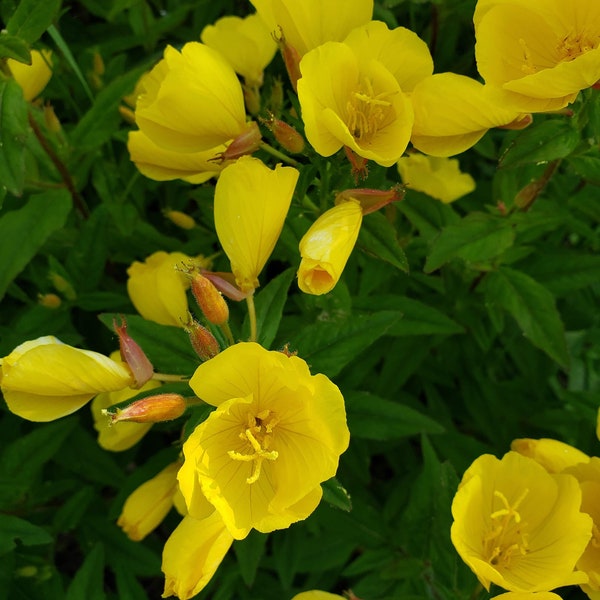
<point x="149" y="504"/>
<point x="276" y="434"/>
<point x="193" y="553"/>
<point x="518" y="526"/>
<point x="192" y="101"/>
<point x="326" y="247"/>
<point x="32" y="78"/>
<point x="453" y="112"/>
<point x="44" y="379"/>
<point x="251" y="203"/>
<point x="438" y="177"/>
<point x="540" y="52"/>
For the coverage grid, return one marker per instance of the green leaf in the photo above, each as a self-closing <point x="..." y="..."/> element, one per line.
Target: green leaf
<point x="269" y="303"/>
<point x="14" y="47"/>
<point x="14" y="129"/>
<point x="88" y="582"/>
<point x="12" y="528"/>
<point x="373" y="418"/>
<point x="378" y="237"/>
<point x="533" y="307"/>
<point x="32" y="18"/>
<point x="336" y="495"/>
<point x="249" y="552"/>
<point x="329" y="346"/>
<point x="477" y="238"/>
<point x="587" y="166"/>
<point x="24" y="231"/>
<point x="128" y="587"/>
<point x="549" y="140"/>
<point x="426" y="214"/>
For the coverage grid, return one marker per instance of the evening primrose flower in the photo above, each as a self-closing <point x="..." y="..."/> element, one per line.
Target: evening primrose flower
<point x="518" y="526"/>
<point x="353" y="94"/>
<point x="147" y="506"/>
<point x="192" y="101"/>
<point x="453" y="112"/>
<point x="32" y="78"/>
<point x="276" y="434"/>
<point x="541" y="53"/>
<point x="193" y="553"/>
<point x="251" y="203"/>
<point x="553" y="455"/>
<point x="326" y="247"/>
<point x="44" y="379"/>
<point x="440" y="178"/>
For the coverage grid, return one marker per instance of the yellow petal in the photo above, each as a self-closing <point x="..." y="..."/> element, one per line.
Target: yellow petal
<point x="317" y="595"/>
<point x="553" y="455"/>
<point x="326" y="247"/>
<point x="192" y="554"/>
<point x="32" y="78"/>
<point x="251" y="203"/>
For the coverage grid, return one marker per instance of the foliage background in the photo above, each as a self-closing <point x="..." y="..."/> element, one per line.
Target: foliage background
<point x="456" y="328"/>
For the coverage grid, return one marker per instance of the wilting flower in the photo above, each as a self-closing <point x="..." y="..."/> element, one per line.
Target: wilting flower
<point x="553" y="455"/>
<point x="276" y="434"/>
<point x="182" y="91"/>
<point x="354" y="94"/>
<point x="158" y="289"/>
<point x="251" y="203"/>
<point x="326" y="247"/>
<point x="32" y="78"/>
<point x="540" y="52"/>
<point x="149" y="504"/>
<point x="453" y="112"/>
<point x="440" y="178"/>
<point x="193" y="553"/>
<point x="518" y="526"/>
<point x="44" y="379"/>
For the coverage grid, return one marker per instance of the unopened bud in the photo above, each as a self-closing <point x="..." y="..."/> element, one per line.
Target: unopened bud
<point x="153" y="409"/>
<point x="180" y="219"/>
<point x="520" y="122"/>
<point x="51" y="120"/>
<point x="131" y="354"/>
<point x="291" y="58"/>
<point x="127" y="114"/>
<point x="225" y="283"/>
<point x="209" y="299"/>
<point x="371" y="200"/>
<point x="62" y="285"/>
<point x="528" y="194"/>
<point x="285" y="134"/>
<point x="251" y="98"/>
<point x="203" y="341"/>
<point x="49" y="300"/>
<point x="246" y="143"/>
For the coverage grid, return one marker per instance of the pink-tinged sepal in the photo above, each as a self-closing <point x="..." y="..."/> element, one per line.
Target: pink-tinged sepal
<point x="372" y="200"/>
<point x="133" y="356"/>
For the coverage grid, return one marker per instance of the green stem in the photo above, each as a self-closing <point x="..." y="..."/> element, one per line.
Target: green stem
<point x="227" y="333"/>
<point x="252" y="317"/>
<point x="277" y="154"/>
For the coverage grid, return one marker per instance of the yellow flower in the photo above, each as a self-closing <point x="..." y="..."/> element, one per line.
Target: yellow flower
<point x="317" y="595"/>
<point x="245" y="43"/>
<point x="192" y="101"/>
<point x="353" y="93"/>
<point x="251" y="203"/>
<point x="540" y="52"/>
<point x="453" y="112"/>
<point x="149" y="504"/>
<point x="438" y="177"/>
<point x="32" y="78"/>
<point x="121" y="436"/>
<point x="527" y="596"/>
<point x="326" y="247"/>
<point x="518" y="526"/>
<point x="158" y="290"/>
<point x="160" y="164"/>
<point x="44" y="379"/>
<point x="310" y="23"/>
<point x="275" y="436"/>
<point x="588" y="475"/>
<point x="553" y="455"/>
<point x="193" y="553"/>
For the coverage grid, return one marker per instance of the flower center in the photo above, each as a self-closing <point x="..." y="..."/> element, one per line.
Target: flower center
<point x="258" y="435"/>
<point x="576" y="44"/>
<point x="506" y="539"/>
<point x="367" y="112"/>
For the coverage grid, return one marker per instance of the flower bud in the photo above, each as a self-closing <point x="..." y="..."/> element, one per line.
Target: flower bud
<point x="133" y="356"/>
<point x="152" y="409"/>
<point x="291" y="58"/>
<point x="246" y="142"/>
<point x="202" y="340"/>
<point x="225" y="283"/>
<point x="180" y="219"/>
<point x="209" y="299"/>
<point x="285" y="134"/>
<point x="51" y="120"/>
<point x="371" y="200"/>
<point x="49" y="300"/>
<point x="62" y="285"/>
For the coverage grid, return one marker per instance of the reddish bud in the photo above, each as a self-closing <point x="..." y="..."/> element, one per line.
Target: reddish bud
<point x="291" y="58"/>
<point x="285" y="134"/>
<point x="209" y="299"/>
<point x="153" y="409"/>
<point x="131" y="354"/>
<point x="246" y="143"/>
<point x="371" y="200"/>
<point x="202" y="340"/>
<point x="359" y="164"/>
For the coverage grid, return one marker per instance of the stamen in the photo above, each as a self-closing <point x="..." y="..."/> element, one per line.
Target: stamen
<point x="367" y="112"/>
<point x="527" y="67"/>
